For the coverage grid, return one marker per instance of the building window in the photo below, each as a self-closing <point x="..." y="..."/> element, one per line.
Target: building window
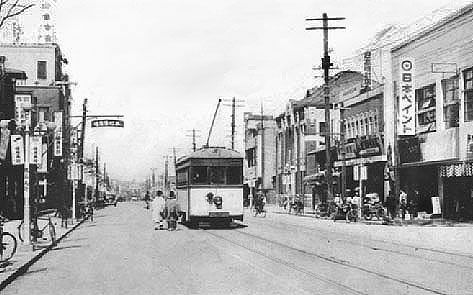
<point x="468" y="82"/>
<point x="46" y="16"/>
<point x="43" y="114"/>
<point x="451" y="102"/>
<point x="322" y="128"/>
<point x="251" y="157"/>
<point x="425" y="98"/>
<point x="42" y="75"/>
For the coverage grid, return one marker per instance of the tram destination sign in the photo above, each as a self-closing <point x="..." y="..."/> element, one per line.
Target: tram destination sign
<point x="108" y="123"/>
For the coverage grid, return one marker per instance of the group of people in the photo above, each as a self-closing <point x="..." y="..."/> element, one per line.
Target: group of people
<point x="164" y="210"/>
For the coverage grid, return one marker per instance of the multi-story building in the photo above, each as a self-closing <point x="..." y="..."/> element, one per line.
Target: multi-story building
<point x="41" y="62"/>
<point x="11" y="177"/>
<point x="435" y="67"/>
<point x="260" y="152"/>
<point x="49" y="92"/>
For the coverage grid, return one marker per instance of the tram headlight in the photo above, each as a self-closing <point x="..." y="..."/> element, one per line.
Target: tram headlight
<point x="218" y="202"/>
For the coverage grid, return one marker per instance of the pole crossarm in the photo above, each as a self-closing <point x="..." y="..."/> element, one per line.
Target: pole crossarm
<point x="326" y="18"/>
<point x="322" y="28"/>
<point x="99" y="116"/>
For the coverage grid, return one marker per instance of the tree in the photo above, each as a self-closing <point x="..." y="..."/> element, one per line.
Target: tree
<point x="11" y="8"/>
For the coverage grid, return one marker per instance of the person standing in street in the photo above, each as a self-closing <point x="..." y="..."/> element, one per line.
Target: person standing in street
<point x="172" y="210"/>
<point x="157" y="207"/>
<point x="147" y="199"/>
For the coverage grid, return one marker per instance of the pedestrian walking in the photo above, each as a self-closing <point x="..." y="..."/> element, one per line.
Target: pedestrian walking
<point x="391" y="205"/>
<point x="147" y="199"/>
<point x="157" y="207"/>
<point x="172" y="211"/>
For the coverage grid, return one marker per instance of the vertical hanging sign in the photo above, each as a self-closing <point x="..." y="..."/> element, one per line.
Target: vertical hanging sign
<point x="407" y="106"/>
<point x="17" y="150"/>
<point x="36" y="146"/>
<point x="4" y="140"/>
<point x="43" y="167"/>
<point x="58" y="134"/>
<point x="22" y="106"/>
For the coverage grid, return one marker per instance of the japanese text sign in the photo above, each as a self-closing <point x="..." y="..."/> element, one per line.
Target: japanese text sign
<point x="407" y="107"/>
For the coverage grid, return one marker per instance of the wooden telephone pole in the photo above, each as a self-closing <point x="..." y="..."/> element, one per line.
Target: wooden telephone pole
<point x="326" y="65"/>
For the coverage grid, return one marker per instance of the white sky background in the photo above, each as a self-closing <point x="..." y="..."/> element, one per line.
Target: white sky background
<point x="164" y="63"/>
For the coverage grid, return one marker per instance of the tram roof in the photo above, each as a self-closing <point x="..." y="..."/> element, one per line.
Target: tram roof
<point x="212" y="153"/>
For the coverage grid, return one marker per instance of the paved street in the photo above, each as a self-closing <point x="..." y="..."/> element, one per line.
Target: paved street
<point x="120" y="253"/>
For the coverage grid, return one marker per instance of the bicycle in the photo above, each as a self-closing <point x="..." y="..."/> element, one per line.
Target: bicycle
<point x="8" y="243"/>
<point x="37" y="232"/>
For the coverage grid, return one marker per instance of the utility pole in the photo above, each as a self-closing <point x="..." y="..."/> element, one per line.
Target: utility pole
<point x="26" y="187"/>
<point x="262" y="147"/>
<point x="105" y="174"/>
<point x="166" y="175"/>
<point x="326" y="65"/>
<point x="97" y="168"/>
<point x="234" y="106"/>
<point x="81" y="149"/>
<point x="194" y="136"/>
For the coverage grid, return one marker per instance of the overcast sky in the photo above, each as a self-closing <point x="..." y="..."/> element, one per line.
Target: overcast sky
<point x="164" y="63"/>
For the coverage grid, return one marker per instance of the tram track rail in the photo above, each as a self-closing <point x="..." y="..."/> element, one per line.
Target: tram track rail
<point x="326" y="258"/>
<point x="290" y="265"/>
<point x="353" y="242"/>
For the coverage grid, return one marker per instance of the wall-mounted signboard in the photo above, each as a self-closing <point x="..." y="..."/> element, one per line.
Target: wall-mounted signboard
<point x="108" y="123"/>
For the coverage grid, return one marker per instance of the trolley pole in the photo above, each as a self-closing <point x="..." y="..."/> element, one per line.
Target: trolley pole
<point x="326" y="65"/>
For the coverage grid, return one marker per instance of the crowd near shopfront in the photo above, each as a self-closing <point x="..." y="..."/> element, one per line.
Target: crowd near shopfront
<point x="401" y="125"/>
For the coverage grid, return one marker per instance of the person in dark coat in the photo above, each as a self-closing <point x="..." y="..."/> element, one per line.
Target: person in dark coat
<point x="172" y="211"/>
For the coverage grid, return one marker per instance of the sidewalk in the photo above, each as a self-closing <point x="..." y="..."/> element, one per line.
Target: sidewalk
<point x="25" y="256"/>
<point x="450" y="237"/>
<point x="309" y="212"/>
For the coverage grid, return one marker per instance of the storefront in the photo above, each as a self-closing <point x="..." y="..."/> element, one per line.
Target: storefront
<point x="457" y="182"/>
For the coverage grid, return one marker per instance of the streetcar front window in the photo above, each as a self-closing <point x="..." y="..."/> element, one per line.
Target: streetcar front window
<point x="199" y="175"/>
<point x="234" y="175"/>
<point x="217" y="175"/>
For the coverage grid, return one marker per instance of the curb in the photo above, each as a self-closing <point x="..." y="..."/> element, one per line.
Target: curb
<point x="22" y="269"/>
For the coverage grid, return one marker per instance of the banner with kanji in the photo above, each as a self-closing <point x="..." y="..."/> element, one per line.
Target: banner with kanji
<point x="4" y="141"/>
<point x="43" y="167"/>
<point x="407" y="99"/>
<point x="17" y="150"/>
<point x="36" y="147"/>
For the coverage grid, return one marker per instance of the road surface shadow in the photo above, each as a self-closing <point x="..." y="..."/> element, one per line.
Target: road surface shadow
<point x="213" y="226"/>
<point x="35" y="271"/>
<point x="67" y="247"/>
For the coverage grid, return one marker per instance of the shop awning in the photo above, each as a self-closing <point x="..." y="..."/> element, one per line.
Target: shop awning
<point x="457" y="170"/>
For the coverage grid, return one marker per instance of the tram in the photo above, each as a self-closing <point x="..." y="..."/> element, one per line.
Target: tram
<point x="209" y="185"/>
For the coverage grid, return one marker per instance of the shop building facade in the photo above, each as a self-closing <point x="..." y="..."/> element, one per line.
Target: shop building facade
<point x="260" y="152"/>
<point x="436" y="161"/>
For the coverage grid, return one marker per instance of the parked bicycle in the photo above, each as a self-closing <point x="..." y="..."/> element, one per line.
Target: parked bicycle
<point x="8" y="243"/>
<point x="86" y="211"/>
<point x="352" y="214"/>
<point x="37" y="232"/>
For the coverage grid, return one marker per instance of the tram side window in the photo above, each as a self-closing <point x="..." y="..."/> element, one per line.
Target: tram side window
<point x="234" y="175"/>
<point x="199" y="175"/>
<point x="217" y="175"/>
<point x="182" y="177"/>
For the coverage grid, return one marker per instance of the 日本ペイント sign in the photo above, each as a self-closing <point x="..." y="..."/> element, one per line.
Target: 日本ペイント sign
<point x="407" y="109"/>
